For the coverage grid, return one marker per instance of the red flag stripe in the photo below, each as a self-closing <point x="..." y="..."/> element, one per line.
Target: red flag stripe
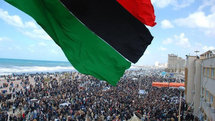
<point x="143" y="10"/>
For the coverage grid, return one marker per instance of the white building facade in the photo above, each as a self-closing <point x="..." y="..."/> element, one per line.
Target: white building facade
<point x="200" y="85"/>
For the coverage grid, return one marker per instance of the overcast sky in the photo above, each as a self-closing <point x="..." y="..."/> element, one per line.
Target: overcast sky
<point x="183" y="26"/>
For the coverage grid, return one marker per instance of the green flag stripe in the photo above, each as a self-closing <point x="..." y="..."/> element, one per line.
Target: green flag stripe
<point x="88" y="53"/>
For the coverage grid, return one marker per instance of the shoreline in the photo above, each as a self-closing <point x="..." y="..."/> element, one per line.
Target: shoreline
<point x="34" y="70"/>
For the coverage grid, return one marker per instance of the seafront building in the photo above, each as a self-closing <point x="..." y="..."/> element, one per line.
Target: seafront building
<point x="175" y="64"/>
<point x="200" y="85"/>
<point x="160" y="65"/>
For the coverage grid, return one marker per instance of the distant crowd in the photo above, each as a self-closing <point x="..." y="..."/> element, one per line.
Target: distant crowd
<point x="77" y="97"/>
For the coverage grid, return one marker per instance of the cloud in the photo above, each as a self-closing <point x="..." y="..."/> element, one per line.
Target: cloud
<point x="200" y="20"/>
<point x="161" y="3"/>
<point x="163" y="49"/>
<point x="37" y="33"/>
<point x="54" y="52"/>
<point x="213" y="9"/>
<point x="177" y="4"/>
<point x="182" y="3"/>
<point x="31" y="48"/>
<point x="5" y="39"/>
<point x="42" y="44"/>
<point x="179" y="40"/>
<point x="196" y="20"/>
<point x="166" y="24"/>
<point x="12" y="20"/>
<point x="28" y="28"/>
<point x="31" y="24"/>
<point x="206" y="48"/>
<point x="167" y="41"/>
<point x="207" y="3"/>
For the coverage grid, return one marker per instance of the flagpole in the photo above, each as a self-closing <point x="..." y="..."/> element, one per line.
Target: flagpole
<point x="179" y="112"/>
<point x="181" y="89"/>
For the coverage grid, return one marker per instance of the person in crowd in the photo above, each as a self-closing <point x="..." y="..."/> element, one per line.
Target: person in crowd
<point x="77" y="97"/>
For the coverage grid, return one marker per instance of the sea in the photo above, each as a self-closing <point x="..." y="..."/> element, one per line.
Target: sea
<point x="19" y="66"/>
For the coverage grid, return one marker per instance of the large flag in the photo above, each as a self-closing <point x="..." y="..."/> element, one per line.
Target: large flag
<point x="98" y="37"/>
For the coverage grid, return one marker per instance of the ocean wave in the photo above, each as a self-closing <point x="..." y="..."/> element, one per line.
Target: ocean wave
<point x="31" y="69"/>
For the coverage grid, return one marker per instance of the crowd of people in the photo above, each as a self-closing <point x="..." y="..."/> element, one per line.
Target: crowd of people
<point x="77" y="97"/>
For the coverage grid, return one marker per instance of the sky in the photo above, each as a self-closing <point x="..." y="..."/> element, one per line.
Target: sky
<point x="183" y="26"/>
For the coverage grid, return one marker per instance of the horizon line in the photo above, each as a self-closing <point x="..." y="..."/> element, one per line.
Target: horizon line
<point x="33" y="59"/>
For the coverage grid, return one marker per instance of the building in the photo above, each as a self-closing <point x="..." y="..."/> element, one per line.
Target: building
<point x="208" y="54"/>
<point x="180" y="65"/>
<point x="175" y="64"/>
<point x="200" y="85"/>
<point x="160" y="65"/>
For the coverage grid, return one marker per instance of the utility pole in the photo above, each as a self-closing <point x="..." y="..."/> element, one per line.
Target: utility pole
<point x="196" y="52"/>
